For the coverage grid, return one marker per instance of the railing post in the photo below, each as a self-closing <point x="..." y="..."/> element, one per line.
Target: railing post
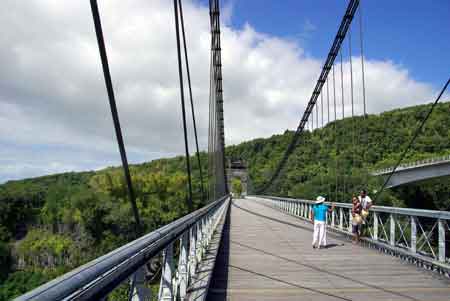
<point x="350" y="221"/>
<point x="441" y="231"/>
<point x="182" y="265"/>
<point x="166" y="288"/>
<point x="140" y="292"/>
<point x="392" y="232"/>
<point x="375" y="225"/>
<point x="192" y="251"/>
<point x="413" y="234"/>
<point x="198" y="248"/>
<point x="310" y="212"/>
<point x="341" y="218"/>
<point x="208" y="223"/>
<point x="204" y="234"/>
<point x="333" y="213"/>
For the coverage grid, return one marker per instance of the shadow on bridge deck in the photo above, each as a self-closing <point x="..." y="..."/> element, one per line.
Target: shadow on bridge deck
<point x="267" y="255"/>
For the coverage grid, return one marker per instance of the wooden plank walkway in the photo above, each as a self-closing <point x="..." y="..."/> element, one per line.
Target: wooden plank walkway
<point x="267" y="255"/>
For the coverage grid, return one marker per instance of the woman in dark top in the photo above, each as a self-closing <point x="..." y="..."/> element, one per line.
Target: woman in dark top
<point x="356" y="221"/>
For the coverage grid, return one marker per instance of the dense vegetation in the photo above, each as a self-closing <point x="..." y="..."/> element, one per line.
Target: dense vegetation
<point x="51" y="224"/>
<point x="351" y="148"/>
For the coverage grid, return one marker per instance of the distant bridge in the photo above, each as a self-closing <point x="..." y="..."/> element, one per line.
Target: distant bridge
<point x="416" y="171"/>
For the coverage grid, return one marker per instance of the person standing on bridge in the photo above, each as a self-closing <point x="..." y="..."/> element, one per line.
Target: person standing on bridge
<point x="319" y="217"/>
<point x="366" y="203"/>
<point x="356" y="220"/>
<point x="365" y="200"/>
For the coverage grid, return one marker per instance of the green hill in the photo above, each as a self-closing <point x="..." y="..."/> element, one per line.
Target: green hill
<point x="351" y="148"/>
<point x="51" y="224"/>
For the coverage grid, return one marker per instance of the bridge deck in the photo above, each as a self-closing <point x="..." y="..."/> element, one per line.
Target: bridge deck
<point x="267" y="255"/>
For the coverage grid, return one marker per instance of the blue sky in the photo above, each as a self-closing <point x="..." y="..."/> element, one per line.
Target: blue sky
<point x="414" y="33"/>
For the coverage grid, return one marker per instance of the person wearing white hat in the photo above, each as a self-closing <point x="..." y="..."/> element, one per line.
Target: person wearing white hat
<point x="319" y="216"/>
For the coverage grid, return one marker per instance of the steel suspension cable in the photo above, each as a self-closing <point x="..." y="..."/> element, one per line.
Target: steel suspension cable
<point x="320" y="159"/>
<point x="321" y="105"/>
<point x="317" y="115"/>
<point x="414" y="137"/>
<point x="342" y="87"/>
<point x="183" y="108"/>
<point x="362" y="60"/>
<point x="191" y="100"/>
<point x="328" y="102"/>
<point x="335" y="137"/>
<point x="365" y="127"/>
<point x="114" y="113"/>
<point x="351" y="92"/>
<point x="214" y="12"/>
<point x="343" y="116"/>
<point x="334" y="98"/>
<point x="328" y="144"/>
<point x="211" y="130"/>
<point x="346" y="20"/>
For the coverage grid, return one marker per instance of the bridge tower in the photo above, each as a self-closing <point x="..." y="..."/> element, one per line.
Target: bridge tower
<point x="237" y="169"/>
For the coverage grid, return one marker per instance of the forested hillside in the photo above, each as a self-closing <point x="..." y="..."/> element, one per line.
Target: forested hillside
<point x="351" y="148"/>
<point x="51" y="224"/>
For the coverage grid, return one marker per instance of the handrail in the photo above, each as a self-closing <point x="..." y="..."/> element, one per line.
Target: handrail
<point x="394" y="210"/>
<point x="99" y="276"/>
<point x="424" y="162"/>
<point x="414" y="234"/>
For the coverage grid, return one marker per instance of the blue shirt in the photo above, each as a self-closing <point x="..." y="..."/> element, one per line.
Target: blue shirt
<point x="320" y="212"/>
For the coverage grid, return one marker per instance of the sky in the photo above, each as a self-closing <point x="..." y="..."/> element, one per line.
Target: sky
<point x="54" y="112"/>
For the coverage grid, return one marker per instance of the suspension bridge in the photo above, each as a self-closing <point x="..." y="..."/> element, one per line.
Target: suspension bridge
<point x="259" y="248"/>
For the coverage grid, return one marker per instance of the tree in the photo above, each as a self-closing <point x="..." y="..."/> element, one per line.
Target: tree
<point x="236" y="186"/>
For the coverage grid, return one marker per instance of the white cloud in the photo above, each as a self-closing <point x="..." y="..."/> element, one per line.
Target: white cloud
<point x="54" y="112"/>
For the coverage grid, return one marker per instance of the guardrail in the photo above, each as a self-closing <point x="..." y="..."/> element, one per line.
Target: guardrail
<point x="96" y="279"/>
<point x="412" y="164"/>
<point x="416" y="235"/>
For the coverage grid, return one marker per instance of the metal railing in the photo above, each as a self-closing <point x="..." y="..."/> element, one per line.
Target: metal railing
<point x="413" y="234"/>
<point x="96" y="279"/>
<point x="415" y="164"/>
